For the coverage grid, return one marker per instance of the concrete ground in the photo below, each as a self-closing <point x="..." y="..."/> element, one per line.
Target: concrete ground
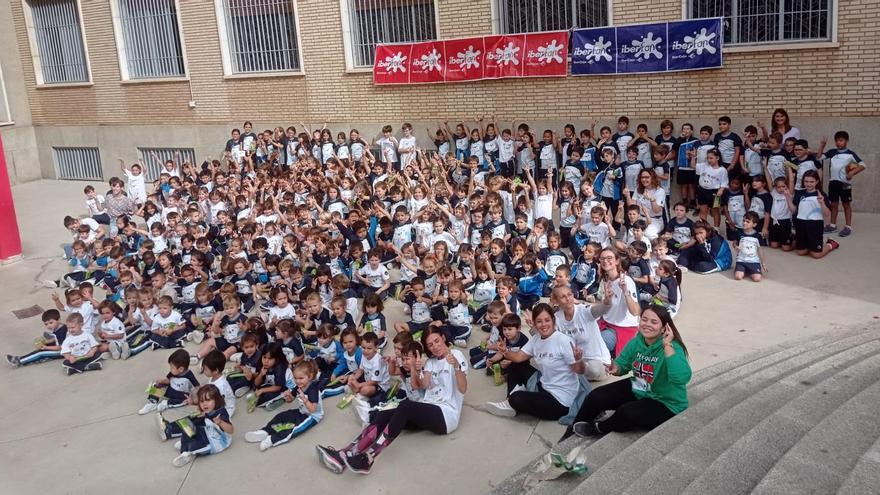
<point x="82" y="434"/>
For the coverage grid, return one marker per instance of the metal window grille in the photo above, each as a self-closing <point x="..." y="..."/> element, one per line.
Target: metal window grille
<point x="388" y="21"/>
<point x="530" y="16"/>
<point x="154" y="167"/>
<point x="151" y="38"/>
<point x="5" y="115"/>
<point x="262" y="35"/>
<point x="78" y="163"/>
<point x="766" y="21"/>
<point x="58" y="34"/>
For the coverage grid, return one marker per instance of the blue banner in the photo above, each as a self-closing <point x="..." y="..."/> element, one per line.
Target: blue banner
<point x="656" y="47"/>
<point x="594" y="51"/>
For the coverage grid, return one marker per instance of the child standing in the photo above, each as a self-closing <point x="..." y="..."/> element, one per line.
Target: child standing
<point x="749" y="256"/>
<point x="845" y="164"/>
<point x="712" y="184"/>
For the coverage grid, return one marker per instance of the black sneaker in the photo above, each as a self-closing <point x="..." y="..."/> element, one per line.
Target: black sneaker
<point x="585" y="429"/>
<point x="70" y="371"/>
<point x="331" y="459"/>
<point x="13" y="361"/>
<point x="359" y="463"/>
<point x="486" y="328"/>
<point x="569" y="431"/>
<point x="94" y="366"/>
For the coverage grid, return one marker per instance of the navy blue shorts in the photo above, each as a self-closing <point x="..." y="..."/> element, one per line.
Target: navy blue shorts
<point x="748" y="268"/>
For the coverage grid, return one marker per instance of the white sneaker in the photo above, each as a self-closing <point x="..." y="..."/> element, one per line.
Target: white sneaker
<point x="114" y="350"/>
<point x="255" y="436"/>
<point x="49" y="284"/>
<point x="125" y="352"/>
<point x="502" y="409"/>
<point x="160" y="422"/>
<point x="196" y="336"/>
<point x="194" y="360"/>
<point x="235" y="358"/>
<point x="183" y="459"/>
<point x="460" y="343"/>
<point x="162" y="406"/>
<point x="177" y="445"/>
<point x="241" y="392"/>
<point x="266" y="444"/>
<point x="149" y="407"/>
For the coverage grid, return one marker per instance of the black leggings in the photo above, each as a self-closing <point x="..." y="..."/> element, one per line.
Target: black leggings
<point x="540" y="404"/>
<point x="629" y="412"/>
<point x="387" y="425"/>
<point x="612" y="205"/>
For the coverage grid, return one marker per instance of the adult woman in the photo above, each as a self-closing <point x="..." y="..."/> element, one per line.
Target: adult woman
<point x="443" y="377"/>
<point x="780" y="123"/>
<point x="651" y="199"/>
<point x="657" y="389"/>
<point x="620" y="322"/>
<point x="560" y="363"/>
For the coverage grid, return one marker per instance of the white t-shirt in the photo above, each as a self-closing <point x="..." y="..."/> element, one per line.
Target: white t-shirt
<point x="583" y="328"/>
<point x="171" y="321"/>
<point x="113" y="327"/>
<point x="95" y="205"/>
<point x="404" y="143"/>
<point x="444" y="389"/>
<point x="712" y="178"/>
<point x="619" y="313"/>
<point x="88" y="313"/>
<point x="285" y="313"/>
<point x="375" y="278"/>
<point x="544" y="206"/>
<point x="376" y="370"/>
<point x="137" y="186"/>
<point x="78" y="345"/>
<point x="226" y="391"/>
<point x="554" y="358"/>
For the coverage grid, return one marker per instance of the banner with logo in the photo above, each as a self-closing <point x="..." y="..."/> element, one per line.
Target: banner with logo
<point x="656" y="47"/>
<point x="472" y="59"/>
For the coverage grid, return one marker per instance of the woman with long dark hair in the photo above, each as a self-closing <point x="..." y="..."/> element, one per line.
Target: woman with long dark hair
<point x="657" y="390"/>
<point x="782" y="124"/>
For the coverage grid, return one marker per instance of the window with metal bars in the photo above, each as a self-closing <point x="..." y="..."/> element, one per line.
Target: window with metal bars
<point x="261" y="35"/>
<point x="57" y="32"/>
<point x="388" y="21"/>
<point x="5" y="115"/>
<point x="531" y="16"/>
<point x="154" y="158"/>
<point x="150" y="38"/>
<point x="78" y="163"/>
<point x="749" y="22"/>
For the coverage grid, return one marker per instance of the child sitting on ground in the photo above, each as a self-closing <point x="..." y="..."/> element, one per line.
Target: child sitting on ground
<point x="48" y="346"/>
<point x="174" y="389"/>
<point x="208" y="431"/>
<point x="80" y="349"/>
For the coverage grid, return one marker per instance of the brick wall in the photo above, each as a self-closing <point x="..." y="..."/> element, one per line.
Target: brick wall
<point x="841" y="81"/>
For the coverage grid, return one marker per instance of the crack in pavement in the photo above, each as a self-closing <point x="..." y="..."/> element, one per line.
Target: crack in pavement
<point x="72" y="427"/>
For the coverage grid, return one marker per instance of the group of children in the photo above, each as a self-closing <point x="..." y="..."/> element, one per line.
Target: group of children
<point x="276" y="262"/>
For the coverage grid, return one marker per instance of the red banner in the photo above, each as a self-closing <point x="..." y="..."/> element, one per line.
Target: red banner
<point x="472" y="59"/>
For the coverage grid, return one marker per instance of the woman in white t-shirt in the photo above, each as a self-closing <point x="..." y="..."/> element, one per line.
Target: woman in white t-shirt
<point x="581" y="323"/>
<point x="443" y="377"/>
<point x="559" y="361"/>
<point x="620" y="322"/>
<point x="651" y="199"/>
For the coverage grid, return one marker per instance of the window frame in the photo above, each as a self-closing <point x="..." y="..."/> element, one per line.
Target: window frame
<point x="496" y="17"/>
<point x="830" y="42"/>
<point x="36" y="56"/>
<point x="122" y="56"/>
<point x="348" y="38"/>
<point x="5" y="119"/>
<point x="226" y="55"/>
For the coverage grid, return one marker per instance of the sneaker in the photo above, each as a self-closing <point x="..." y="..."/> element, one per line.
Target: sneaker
<point x="274" y="403"/>
<point x="586" y="429"/>
<point x="502" y="409"/>
<point x="194" y="360"/>
<point x="149" y="407"/>
<point x="235" y="358"/>
<point x="49" y="284"/>
<point x="183" y="459"/>
<point x="255" y="436"/>
<point x="70" y="371"/>
<point x="196" y="337"/>
<point x="108" y="355"/>
<point x="13" y="361"/>
<point x="331" y="459"/>
<point x="241" y="392"/>
<point x="265" y="306"/>
<point x="162" y="406"/>
<point x="125" y="352"/>
<point x="834" y="244"/>
<point x="359" y="463"/>
<point x="177" y="445"/>
<point x="830" y="228"/>
<point x="486" y="328"/>
<point x="49" y="337"/>
<point x="114" y="350"/>
<point x="266" y="444"/>
<point x="846" y="232"/>
<point x="163" y="425"/>
<point x="460" y="343"/>
<point x="154" y="346"/>
<point x="96" y="366"/>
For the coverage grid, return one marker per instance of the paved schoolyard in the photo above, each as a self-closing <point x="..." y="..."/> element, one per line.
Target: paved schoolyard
<point x="82" y="434"/>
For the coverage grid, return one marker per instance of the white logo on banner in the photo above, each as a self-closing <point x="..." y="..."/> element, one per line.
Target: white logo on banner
<point x="430" y="61"/>
<point x="394" y="63"/>
<point x="467" y="59"/>
<point x="549" y="53"/>
<point x="506" y="55"/>
<point x="599" y="50"/>
<point x="644" y="48"/>
<point x="698" y="42"/>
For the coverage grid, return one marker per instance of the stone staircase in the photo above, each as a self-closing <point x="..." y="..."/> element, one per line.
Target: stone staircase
<point x="800" y="417"/>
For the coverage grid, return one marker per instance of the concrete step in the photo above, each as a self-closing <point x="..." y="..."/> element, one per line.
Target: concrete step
<point x="728" y="401"/>
<point x="823" y="459"/>
<point x="790" y="442"/>
<point x="689" y="443"/>
<point x="865" y="476"/>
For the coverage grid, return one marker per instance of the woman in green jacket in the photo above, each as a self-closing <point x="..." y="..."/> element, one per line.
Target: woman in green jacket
<point x="657" y="390"/>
